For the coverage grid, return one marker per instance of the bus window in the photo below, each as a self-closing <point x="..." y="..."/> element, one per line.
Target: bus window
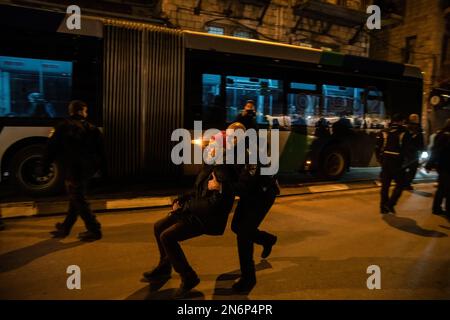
<point x="303" y="110"/>
<point x="212" y="110"/>
<point x="34" y="88"/>
<point x="267" y="94"/>
<point x="343" y="102"/>
<point x="376" y="116"/>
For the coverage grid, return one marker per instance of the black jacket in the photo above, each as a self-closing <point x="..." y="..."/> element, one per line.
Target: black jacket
<point x="417" y="142"/>
<point x="393" y="146"/>
<point x="208" y="208"/>
<point x="78" y="145"/>
<point x="440" y="153"/>
<point x="249" y="121"/>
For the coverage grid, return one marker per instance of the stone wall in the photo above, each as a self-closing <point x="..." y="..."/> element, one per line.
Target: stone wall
<point x="277" y="24"/>
<point x="423" y="19"/>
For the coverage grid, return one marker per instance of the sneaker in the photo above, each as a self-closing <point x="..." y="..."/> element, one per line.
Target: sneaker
<point x="244" y="284"/>
<point x="90" y="235"/>
<point x="60" y="232"/>
<point x="268" y="247"/>
<point x="159" y="273"/>
<point x="187" y="284"/>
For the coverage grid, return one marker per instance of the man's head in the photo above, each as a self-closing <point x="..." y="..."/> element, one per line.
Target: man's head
<point x="249" y="107"/>
<point x="78" y="107"/>
<point x="414" y="119"/>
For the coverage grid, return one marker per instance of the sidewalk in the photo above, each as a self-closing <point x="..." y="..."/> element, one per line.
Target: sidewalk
<point x="161" y="198"/>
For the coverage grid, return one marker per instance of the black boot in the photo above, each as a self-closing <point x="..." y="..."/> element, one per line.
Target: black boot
<point x="268" y="247"/>
<point x="384" y="210"/>
<point x="188" y="282"/>
<point x="90" y="235"/>
<point x="161" y="272"/>
<point x="245" y="284"/>
<point x="61" y="231"/>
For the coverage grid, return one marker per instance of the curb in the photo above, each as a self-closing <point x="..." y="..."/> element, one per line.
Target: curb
<point x="44" y="208"/>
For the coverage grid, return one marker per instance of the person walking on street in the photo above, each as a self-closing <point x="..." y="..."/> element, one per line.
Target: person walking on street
<point x="257" y="194"/>
<point x="79" y="147"/>
<point x="416" y="147"/>
<point x="440" y="160"/>
<point x="391" y="150"/>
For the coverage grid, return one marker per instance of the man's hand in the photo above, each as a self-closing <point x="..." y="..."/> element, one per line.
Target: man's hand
<point x="213" y="184"/>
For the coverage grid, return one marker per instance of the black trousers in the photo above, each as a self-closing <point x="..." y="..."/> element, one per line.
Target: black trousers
<point x="78" y="205"/>
<point x="442" y="192"/>
<point x="391" y="171"/>
<point x="249" y="214"/>
<point x="169" y="231"/>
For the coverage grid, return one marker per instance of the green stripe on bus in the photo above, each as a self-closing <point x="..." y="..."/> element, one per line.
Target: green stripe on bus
<point x="332" y="59"/>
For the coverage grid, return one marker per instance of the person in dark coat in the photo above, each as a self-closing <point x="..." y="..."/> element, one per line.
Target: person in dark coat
<point x="257" y="194"/>
<point x="417" y="146"/>
<point x="204" y="211"/>
<point x="440" y="160"/>
<point x="79" y="147"/>
<point x="391" y="150"/>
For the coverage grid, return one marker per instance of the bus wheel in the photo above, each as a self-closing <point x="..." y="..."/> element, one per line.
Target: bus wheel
<point x="333" y="163"/>
<point x="25" y="176"/>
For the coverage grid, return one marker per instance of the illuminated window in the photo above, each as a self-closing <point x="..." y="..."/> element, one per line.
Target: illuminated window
<point x="243" y="34"/>
<point x="34" y="88"/>
<point x="215" y="30"/>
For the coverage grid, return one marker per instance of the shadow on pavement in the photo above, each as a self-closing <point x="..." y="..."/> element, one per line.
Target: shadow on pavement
<point x="223" y="290"/>
<point x="409" y="225"/>
<point x="20" y="257"/>
<point x="422" y="193"/>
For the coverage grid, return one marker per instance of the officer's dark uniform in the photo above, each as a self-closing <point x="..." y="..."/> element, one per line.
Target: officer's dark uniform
<point x="202" y="212"/>
<point x="392" y="146"/>
<point x="416" y="146"/>
<point x="257" y="194"/>
<point x="440" y="159"/>
<point x="248" y="120"/>
<point x="78" y="146"/>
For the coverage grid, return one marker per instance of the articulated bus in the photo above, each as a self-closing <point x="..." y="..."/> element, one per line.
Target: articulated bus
<point x="143" y="81"/>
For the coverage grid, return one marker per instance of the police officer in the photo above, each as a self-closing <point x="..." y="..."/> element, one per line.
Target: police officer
<point x="257" y="194"/>
<point x="248" y="116"/>
<point x="391" y="148"/>
<point x="79" y="147"/>
<point x="440" y="160"/>
<point x="416" y="147"/>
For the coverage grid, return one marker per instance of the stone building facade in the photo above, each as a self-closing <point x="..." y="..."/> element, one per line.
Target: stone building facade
<point x="331" y="24"/>
<point x="422" y="37"/>
<point x="276" y="20"/>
